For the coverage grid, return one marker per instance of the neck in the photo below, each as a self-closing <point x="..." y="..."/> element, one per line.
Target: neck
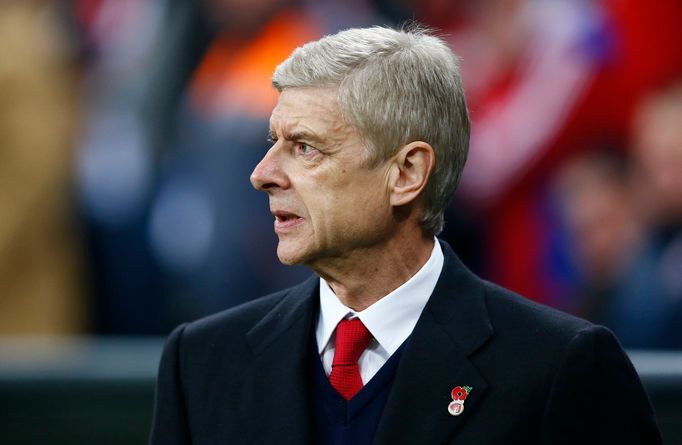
<point x="366" y="275"/>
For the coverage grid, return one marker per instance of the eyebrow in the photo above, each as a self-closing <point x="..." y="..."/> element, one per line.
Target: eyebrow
<point x="297" y="135"/>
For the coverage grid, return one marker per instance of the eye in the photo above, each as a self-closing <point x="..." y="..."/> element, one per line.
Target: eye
<point x="304" y="149"/>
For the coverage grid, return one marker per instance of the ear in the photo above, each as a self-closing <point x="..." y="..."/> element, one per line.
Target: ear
<point x="412" y="167"/>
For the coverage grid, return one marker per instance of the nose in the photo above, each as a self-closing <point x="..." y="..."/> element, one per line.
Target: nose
<point x="269" y="174"/>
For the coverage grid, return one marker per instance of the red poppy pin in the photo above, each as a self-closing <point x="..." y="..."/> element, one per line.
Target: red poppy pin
<point x="459" y="395"/>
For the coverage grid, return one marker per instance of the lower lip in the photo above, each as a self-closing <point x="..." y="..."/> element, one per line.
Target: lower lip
<point x="289" y="224"/>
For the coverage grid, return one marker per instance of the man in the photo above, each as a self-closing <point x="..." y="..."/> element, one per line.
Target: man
<point x="395" y="341"/>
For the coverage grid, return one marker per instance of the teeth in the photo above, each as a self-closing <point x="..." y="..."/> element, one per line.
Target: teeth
<point x="283" y="218"/>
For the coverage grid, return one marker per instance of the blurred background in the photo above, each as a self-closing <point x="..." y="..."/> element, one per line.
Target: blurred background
<point x="129" y="128"/>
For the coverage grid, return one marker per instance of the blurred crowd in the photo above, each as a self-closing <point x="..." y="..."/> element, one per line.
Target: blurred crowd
<point x="129" y="128"/>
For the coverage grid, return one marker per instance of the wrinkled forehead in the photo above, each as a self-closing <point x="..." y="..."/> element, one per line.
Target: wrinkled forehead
<point x="307" y="109"/>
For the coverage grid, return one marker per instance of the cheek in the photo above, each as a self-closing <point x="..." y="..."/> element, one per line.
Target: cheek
<point x="346" y="203"/>
<point x="359" y="209"/>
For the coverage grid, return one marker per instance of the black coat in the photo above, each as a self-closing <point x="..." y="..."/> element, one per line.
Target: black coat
<point x="538" y="376"/>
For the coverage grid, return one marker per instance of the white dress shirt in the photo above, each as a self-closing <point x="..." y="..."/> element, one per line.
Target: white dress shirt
<point x="390" y="320"/>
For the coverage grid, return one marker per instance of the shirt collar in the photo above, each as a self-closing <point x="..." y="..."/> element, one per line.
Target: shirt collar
<point x="392" y="318"/>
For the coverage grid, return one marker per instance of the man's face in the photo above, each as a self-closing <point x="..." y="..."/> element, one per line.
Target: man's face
<point x="327" y="203"/>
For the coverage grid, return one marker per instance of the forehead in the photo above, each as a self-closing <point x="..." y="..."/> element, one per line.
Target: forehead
<point x="310" y="110"/>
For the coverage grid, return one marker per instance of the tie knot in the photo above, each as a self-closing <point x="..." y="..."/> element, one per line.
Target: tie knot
<point x="352" y="338"/>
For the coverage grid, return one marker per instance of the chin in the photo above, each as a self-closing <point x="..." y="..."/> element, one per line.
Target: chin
<point x="288" y="261"/>
<point x="290" y="255"/>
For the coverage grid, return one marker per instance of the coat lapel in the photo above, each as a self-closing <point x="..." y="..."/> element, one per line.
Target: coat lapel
<point x="281" y="343"/>
<point x="453" y="325"/>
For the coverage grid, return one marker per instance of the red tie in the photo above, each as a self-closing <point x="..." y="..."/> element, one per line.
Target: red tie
<point x="352" y="338"/>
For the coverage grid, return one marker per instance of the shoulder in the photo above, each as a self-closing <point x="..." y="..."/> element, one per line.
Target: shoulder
<point x="512" y="312"/>
<point x="573" y="376"/>
<point x="238" y="318"/>
<point x="542" y="340"/>
<point x="503" y="312"/>
<point x="228" y="329"/>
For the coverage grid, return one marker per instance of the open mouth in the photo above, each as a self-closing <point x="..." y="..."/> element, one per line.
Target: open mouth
<point x="285" y="220"/>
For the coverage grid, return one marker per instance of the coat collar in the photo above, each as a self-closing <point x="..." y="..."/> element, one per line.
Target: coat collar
<point x="281" y="343"/>
<point x="453" y="325"/>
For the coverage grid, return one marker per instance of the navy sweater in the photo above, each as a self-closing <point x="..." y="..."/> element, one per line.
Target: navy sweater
<point x="352" y="422"/>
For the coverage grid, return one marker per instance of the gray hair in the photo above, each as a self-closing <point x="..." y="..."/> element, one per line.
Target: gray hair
<point x="395" y="87"/>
